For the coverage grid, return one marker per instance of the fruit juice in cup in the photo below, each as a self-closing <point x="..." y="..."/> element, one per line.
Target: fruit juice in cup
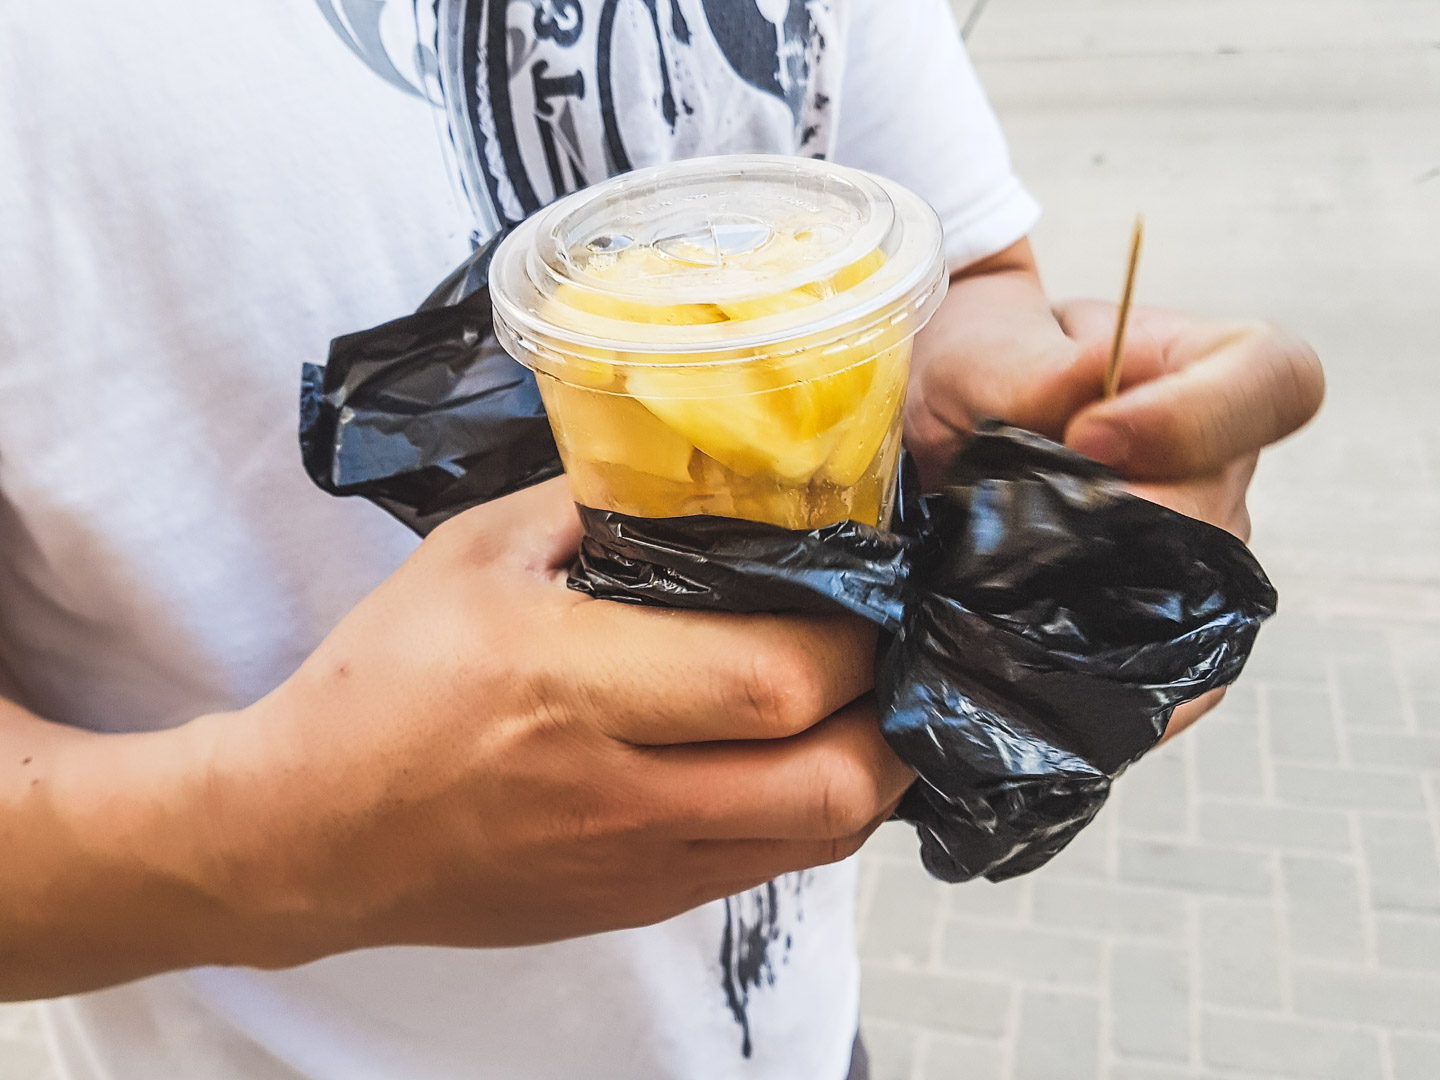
<point x="727" y="336"/>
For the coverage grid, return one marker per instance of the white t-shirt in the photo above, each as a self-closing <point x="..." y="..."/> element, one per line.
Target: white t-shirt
<point x="194" y="198"/>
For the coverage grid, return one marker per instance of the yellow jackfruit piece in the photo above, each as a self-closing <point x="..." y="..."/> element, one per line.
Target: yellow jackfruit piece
<point x="750" y="429"/>
<point x="613" y="429"/>
<point x="860" y="436"/>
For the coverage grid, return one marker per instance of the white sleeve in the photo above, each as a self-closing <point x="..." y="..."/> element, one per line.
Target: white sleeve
<point x="912" y="109"/>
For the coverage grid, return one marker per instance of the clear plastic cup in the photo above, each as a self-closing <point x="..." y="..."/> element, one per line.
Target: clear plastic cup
<point x="727" y="336"/>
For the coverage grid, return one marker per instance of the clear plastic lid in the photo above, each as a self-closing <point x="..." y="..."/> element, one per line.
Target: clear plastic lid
<point x="716" y="261"/>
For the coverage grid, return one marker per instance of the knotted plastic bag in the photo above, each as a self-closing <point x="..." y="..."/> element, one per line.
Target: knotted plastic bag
<point x="1041" y="623"/>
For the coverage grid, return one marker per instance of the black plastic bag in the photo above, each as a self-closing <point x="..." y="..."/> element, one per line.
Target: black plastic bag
<point x="1056" y="623"/>
<point x="427" y="415"/>
<point x="1045" y="625"/>
<point x="1041" y="622"/>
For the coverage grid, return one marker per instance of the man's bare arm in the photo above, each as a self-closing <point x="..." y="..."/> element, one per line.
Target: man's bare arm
<point x="103" y="858"/>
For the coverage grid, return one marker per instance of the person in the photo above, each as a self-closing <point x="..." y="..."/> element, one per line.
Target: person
<point x="283" y="794"/>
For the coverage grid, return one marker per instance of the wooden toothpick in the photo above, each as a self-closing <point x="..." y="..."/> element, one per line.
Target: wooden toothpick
<point x="1112" y="369"/>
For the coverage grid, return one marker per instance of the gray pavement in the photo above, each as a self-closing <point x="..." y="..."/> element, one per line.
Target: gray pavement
<point x="1262" y="898"/>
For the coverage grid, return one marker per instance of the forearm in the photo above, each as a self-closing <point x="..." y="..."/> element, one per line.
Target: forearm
<point x="107" y="867"/>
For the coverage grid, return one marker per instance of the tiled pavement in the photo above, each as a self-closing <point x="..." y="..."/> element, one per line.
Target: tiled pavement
<point x="1262" y="898"/>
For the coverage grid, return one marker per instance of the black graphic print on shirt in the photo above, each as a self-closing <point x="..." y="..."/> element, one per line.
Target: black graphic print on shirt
<point x="760" y="928"/>
<point x="542" y="97"/>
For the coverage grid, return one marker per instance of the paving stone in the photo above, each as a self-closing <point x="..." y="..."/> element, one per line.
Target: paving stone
<point x="1194" y="866"/>
<point x="1290" y="648"/>
<point x="894" y="840"/>
<point x="1368" y="695"/>
<point x="1241" y="701"/>
<point x="1395" y="749"/>
<point x="904" y="908"/>
<point x="1414" y="1057"/>
<point x="1154" y="794"/>
<point x="1277" y="1047"/>
<point x="983" y="899"/>
<point x="1089" y="854"/>
<point x="1058" y="1037"/>
<point x="1355" y="641"/>
<point x="1398" y="999"/>
<point x="1285" y="828"/>
<point x="1104" y="907"/>
<point x="963" y="1059"/>
<point x="892" y="1049"/>
<point x="1323" y="909"/>
<point x="1149" y="1002"/>
<point x="1417" y="650"/>
<point x="1348" y="789"/>
<point x="1427" y="714"/>
<point x="1300" y="722"/>
<point x="939" y="1002"/>
<point x="1239" y="955"/>
<point x="1041" y="956"/>
<point x="1404" y="871"/>
<point x="1227" y="757"/>
<point x="1407" y="941"/>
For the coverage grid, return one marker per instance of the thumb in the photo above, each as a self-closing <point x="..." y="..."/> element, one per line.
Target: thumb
<point x="1227" y="392"/>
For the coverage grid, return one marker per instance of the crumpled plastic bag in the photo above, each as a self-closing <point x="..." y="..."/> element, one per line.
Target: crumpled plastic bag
<point x="427" y="415"/>
<point x="1054" y="623"/>
<point x="1041" y="623"/>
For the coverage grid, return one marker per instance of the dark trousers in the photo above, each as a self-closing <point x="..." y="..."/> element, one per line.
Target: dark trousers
<point x="859" y="1061"/>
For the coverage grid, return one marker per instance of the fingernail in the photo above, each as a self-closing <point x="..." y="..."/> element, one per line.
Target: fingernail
<point x="1106" y="443"/>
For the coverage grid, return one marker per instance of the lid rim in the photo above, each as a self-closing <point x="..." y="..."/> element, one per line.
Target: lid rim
<point x="916" y="262"/>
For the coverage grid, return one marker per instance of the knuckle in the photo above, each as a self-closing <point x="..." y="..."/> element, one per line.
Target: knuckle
<point x="783" y="691"/>
<point x="847" y="798"/>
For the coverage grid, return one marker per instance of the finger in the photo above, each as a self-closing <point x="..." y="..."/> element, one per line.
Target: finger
<point x="1091" y="325"/>
<point x="731" y="867"/>
<point x="1191" y="711"/>
<point x="1218" y="500"/>
<point x="831" y="781"/>
<point x="653" y="677"/>
<point x="739" y="865"/>
<point x="1225" y="393"/>
<point x="1034" y="380"/>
